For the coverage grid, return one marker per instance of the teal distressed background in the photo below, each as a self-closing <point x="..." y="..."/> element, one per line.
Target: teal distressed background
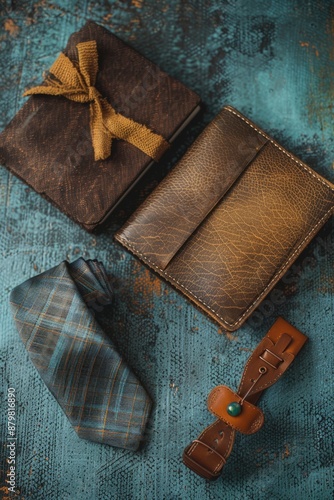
<point x="275" y="62"/>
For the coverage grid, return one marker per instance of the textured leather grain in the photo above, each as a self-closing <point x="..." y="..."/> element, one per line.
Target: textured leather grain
<point x="207" y="454"/>
<point x="224" y="226"/>
<point x="48" y="143"/>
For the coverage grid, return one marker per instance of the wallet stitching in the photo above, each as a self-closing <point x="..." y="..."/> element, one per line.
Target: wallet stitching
<point x="279" y="147"/>
<point x="282" y="268"/>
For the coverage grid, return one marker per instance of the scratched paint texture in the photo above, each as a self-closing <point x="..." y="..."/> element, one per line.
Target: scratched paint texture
<point x="275" y="62"/>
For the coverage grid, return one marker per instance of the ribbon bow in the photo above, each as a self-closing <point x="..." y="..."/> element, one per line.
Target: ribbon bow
<point x="78" y="84"/>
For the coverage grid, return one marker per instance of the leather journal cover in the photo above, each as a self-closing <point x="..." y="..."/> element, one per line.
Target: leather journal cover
<point x="48" y="144"/>
<point x="227" y="222"/>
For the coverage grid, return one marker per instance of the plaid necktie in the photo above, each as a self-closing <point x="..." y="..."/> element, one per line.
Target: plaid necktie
<point x="55" y="316"/>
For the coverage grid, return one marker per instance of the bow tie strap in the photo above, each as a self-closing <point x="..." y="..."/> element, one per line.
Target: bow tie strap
<point x="207" y="454"/>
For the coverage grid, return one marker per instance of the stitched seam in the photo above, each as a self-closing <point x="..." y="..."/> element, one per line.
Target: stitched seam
<point x="271" y="382"/>
<point x="194" y="446"/>
<point x="254" y="355"/>
<point x="280" y="148"/>
<point x="290" y="358"/>
<point x="268" y="384"/>
<point x="229" y="445"/>
<point x="282" y="268"/>
<point x="250" y="359"/>
<point x="212" y="397"/>
<point x="254" y="425"/>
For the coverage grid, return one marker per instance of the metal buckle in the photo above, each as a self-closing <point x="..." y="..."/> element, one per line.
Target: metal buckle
<point x="275" y="356"/>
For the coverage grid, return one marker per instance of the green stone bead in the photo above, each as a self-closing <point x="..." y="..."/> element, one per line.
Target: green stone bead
<point x="234" y="409"/>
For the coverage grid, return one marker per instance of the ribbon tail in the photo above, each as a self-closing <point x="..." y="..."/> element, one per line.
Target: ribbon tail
<point x="101" y="136"/>
<point x="66" y="72"/>
<point x="88" y="61"/>
<point x="64" y="80"/>
<point x="121" y="127"/>
<point x="43" y="89"/>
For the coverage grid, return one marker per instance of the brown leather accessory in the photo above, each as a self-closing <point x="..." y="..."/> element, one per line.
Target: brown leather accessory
<point x="228" y="221"/>
<point x="207" y="455"/>
<point x="49" y="143"/>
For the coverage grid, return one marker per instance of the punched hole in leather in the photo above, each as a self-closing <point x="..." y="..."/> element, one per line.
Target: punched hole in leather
<point x="237" y="411"/>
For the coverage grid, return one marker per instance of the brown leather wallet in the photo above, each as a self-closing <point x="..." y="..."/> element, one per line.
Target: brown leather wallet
<point x="207" y="455"/>
<point x="228" y="221"/>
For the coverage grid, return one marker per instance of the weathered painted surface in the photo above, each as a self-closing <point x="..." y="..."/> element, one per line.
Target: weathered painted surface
<point x="275" y="62"/>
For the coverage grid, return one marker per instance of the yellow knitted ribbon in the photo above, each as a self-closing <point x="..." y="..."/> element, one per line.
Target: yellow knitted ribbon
<point x="78" y="84"/>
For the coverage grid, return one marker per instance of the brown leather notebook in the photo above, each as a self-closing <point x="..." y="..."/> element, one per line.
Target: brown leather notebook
<point x="232" y="216"/>
<point x="48" y="144"/>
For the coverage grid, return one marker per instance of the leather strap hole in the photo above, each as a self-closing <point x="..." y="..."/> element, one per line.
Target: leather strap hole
<point x="262" y="369"/>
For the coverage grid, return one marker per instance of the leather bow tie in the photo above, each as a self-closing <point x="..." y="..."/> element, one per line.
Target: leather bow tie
<point x="207" y="454"/>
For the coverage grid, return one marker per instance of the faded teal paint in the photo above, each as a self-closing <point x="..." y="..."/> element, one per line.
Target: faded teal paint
<point x="274" y="61"/>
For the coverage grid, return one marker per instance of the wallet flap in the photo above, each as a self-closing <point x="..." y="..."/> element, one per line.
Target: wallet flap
<point x="189" y="193"/>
